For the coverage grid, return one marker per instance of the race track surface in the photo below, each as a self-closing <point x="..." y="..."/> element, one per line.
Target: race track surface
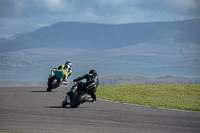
<point x="33" y="109"/>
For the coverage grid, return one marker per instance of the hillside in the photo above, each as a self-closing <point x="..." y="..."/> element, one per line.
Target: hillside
<point x="143" y="49"/>
<point x="168" y="79"/>
<point x="92" y="36"/>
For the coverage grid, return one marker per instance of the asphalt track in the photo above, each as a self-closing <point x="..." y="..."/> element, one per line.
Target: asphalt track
<point x="32" y="109"/>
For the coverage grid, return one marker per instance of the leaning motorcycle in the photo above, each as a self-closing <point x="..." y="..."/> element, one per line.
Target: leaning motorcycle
<point x="55" y="80"/>
<point x="78" y="97"/>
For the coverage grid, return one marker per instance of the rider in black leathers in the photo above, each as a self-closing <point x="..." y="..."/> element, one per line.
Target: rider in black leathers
<point x="90" y="86"/>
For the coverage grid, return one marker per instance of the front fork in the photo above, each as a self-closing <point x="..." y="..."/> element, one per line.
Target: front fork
<point x="67" y="100"/>
<point x="73" y="88"/>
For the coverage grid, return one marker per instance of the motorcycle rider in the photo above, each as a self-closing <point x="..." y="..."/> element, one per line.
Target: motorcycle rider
<point x="66" y="69"/>
<point x="90" y="86"/>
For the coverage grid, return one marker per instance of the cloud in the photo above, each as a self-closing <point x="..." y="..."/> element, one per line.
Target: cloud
<point x="196" y="10"/>
<point x="37" y="8"/>
<point x="7" y="8"/>
<point x="27" y="15"/>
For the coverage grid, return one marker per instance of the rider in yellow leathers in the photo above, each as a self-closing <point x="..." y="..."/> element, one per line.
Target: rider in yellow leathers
<point x="66" y="69"/>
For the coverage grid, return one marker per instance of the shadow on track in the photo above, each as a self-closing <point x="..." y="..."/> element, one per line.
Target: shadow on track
<point x="55" y="107"/>
<point x="63" y="107"/>
<point x="41" y="91"/>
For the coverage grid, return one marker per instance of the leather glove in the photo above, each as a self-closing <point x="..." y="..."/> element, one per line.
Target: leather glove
<point x="75" y="80"/>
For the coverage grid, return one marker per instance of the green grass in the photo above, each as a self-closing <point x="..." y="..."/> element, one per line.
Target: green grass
<point x="174" y="96"/>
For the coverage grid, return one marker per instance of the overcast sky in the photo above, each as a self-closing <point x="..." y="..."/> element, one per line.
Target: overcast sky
<point x="17" y="16"/>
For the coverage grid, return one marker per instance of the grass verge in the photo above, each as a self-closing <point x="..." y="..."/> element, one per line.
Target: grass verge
<point x="173" y="96"/>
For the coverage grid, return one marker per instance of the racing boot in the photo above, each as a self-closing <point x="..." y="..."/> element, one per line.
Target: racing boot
<point x="90" y="99"/>
<point x="64" y="83"/>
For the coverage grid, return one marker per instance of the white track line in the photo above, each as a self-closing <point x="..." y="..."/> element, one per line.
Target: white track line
<point x="144" y="105"/>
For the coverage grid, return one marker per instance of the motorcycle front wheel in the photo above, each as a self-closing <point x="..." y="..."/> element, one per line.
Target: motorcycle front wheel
<point x="80" y="99"/>
<point x="49" y="89"/>
<point x="52" y="84"/>
<point x="64" y="103"/>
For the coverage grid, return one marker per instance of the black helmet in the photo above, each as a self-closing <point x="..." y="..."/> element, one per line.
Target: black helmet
<point x="92" y="71"/>
<point x="68" y="63"/>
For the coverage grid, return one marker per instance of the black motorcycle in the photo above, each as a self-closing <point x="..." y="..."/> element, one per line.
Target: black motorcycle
<point x="78" y="97"/>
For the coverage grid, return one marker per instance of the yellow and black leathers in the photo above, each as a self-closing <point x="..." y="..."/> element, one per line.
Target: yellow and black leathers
<point x="66" y="70"/>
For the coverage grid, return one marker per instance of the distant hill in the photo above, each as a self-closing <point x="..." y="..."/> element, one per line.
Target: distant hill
<point x="143" y="49"/>
<point x="20" y="83"/>
<point x="93" y="36"/>
<point x="168" y="79"/>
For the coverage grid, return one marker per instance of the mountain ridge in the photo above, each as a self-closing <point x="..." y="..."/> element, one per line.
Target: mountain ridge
<point x="94" y="36"/>
<point x="143" y="49"/>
